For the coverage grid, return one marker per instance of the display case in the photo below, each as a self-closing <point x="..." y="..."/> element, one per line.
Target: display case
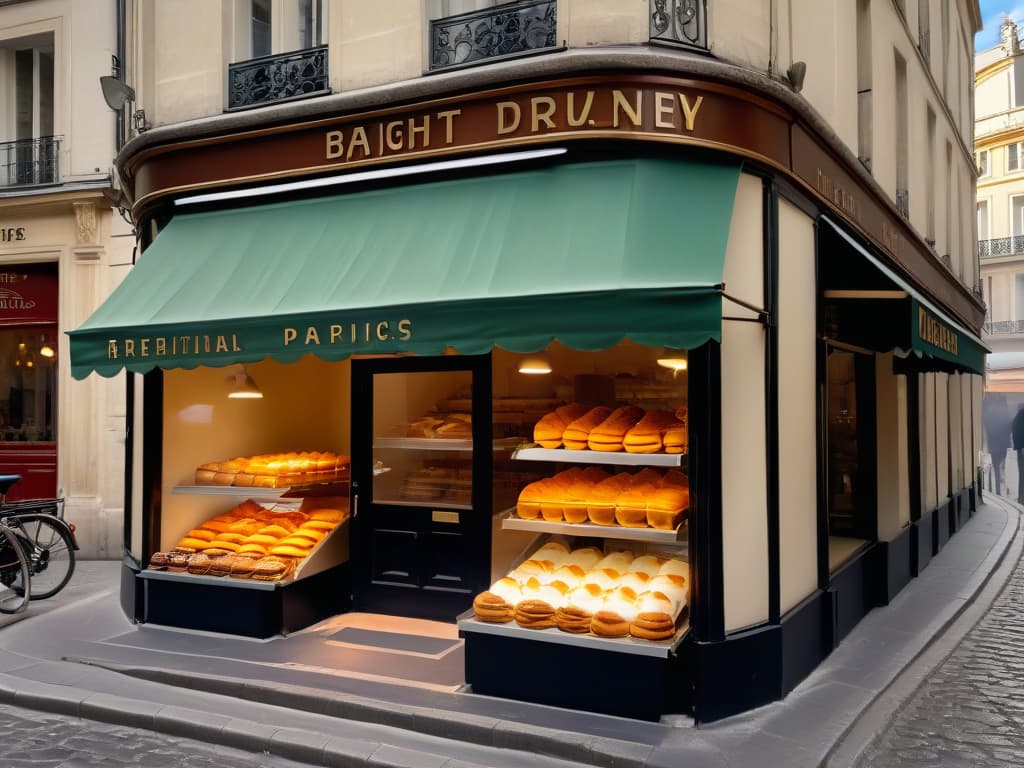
<point x="508" y="654"/>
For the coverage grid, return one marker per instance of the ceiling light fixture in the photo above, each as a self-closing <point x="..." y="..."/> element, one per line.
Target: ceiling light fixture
<point x="535" y="366"/>
<point x="243" y="387"/>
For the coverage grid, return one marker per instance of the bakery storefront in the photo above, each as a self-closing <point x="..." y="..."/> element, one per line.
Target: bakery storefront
<point x="565" y="394"/>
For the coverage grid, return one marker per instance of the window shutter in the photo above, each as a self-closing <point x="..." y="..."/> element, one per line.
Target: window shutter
<point x="1012" y="158"/>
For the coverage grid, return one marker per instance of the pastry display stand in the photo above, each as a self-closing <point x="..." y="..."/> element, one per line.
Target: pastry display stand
<point x="628" y="677"/>
<point x="319" y="588"/>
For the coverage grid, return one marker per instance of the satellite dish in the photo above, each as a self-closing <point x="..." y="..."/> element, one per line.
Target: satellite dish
<point x="116" y="92"/>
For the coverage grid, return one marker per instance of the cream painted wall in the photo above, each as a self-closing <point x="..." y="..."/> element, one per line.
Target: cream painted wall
<point x="798" y="498"/>
<point x="927" y="422"/>
<point x="188" y="60"/>
<point x="942" y="434"/>
<point x="892" y="449"/>
<point x="749" y="43"/>
<point x="744" y="437"/>
<point x="305" y="407"/>
<point x="824" y="36"/>
<point x="376" y="43"/>
<point x="604" y="22"/>
<point x="956" y="447"/>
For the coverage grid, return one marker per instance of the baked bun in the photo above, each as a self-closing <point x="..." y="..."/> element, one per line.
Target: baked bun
<point x="199" y="564"/>
<point x="534" y="614"/>
<point x="190" y="543"/>
<point x="252" y="550"/>
<point x="207" y="534"/>
<point x="289" y="550"/>
<point x="578" y="432"/>
<point x="609" y="624"/>
<point x="242" y="567"/>
<point x="508" y="589"/>
<point x="667" y="506"/>
<point x="616" y="561"/>
<point x="270" y="569"/>
<point x="572" y="619"/>
<point x="547" y="432"/>
<point x="652" y="626"/>
<point x="528" y="504"/>
<point x="220" y="566"/>
<point x="605" y="579"/>
<point x="647" y="436"/>
<point x="609" y="434"/>
<point x="488" y="606"/>
<point x="647" y="564"/>
<point x="586" y="598"/>
<point x="159" y="560"/>
<point x="585" y="557"/>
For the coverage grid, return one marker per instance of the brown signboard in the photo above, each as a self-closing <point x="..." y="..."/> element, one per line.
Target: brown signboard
<point x="28" y="294"/>
<point x="647" y="108"/>
<point x="650" y="108"/>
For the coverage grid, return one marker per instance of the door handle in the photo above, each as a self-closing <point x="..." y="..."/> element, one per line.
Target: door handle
<point x="355" y="505"/>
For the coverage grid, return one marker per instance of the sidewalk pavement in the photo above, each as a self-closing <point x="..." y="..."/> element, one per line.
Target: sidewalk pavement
<point x="79" y="655"/>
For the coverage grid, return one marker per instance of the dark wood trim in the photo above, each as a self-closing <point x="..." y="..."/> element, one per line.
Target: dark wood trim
<point x="705" y="460"/>
<point x="129" y="460"/>
<point x="866" y="501"/>
<point x="770" y="217"/>
<point x="821" y="425"/>
<point x="152" y="464"/>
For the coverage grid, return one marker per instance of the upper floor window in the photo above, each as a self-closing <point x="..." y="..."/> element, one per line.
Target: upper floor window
<point x="261" y="15"/>
<point x="679" y="21"/>
<point x="981" y="160"/>
<point x="469" y="31"/>
<point x="28" y="149"/>
<point x="287" y="57"/>
<point x="1015" y="156"/>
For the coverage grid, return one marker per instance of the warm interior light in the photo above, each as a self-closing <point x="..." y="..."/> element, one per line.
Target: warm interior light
<point x="535" y="365"/>
<point x="47" y="351"/>
<point x="674" y="363"/>
<point x="243" y="386"/>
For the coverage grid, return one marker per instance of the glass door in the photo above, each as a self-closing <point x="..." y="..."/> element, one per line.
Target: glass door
<point x="421" y="521"/>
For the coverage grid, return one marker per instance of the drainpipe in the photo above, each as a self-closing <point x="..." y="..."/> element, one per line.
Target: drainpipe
<point x="119" y="125"/>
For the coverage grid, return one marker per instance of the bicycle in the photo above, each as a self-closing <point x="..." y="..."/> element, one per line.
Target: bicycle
<point x="15" y="572"/>
<point x="47" y="540"/>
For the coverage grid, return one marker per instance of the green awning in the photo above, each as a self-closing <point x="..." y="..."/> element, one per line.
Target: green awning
<point x="587" y="253"/>
<point x="912" y="325"/>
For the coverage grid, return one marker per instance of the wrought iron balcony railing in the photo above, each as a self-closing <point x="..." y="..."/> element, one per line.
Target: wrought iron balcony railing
<point x="1001" y="246"/>
<point x="30" y="161"/>
<point x="280" y="77"/>
<point x="513" y="29"/>
<point x="1000" y="327"/>
<point x="679" y="21"/>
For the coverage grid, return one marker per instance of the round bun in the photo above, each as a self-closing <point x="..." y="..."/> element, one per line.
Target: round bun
<point x="609" y="624"/>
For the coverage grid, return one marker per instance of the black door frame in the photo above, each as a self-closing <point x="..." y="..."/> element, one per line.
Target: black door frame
<point x="420" y="601"/>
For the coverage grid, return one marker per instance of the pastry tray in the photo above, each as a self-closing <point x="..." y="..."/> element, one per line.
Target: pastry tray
<point x="619" y="458"/>
<point x="631" y="645"/>
<point x="511" y="522"/>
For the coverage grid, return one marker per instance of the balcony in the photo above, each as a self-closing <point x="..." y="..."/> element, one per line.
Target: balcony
<point x="1001" y="246"/>
<point x="681" y="22"/>
<point x="504" y="31"/>
<point x="279" y="77"/>
<point x="30" y="161"/>
<point x="1003" y="327"/>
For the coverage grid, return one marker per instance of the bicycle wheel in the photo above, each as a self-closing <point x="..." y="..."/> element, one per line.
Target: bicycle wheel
<point x="51" y="553"/>
<point x="15" y="581"/>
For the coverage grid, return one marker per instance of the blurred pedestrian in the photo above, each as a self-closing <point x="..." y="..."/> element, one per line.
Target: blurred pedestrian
<point x="997" y="432"/>
<point x="1017" y="430"/>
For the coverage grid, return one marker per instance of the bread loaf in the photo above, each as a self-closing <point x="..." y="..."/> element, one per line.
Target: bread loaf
<point x="548" y="431"/>
<point x="609" y="434"/>
<point x="647" y="435"/>
<point x="578" y="432"/>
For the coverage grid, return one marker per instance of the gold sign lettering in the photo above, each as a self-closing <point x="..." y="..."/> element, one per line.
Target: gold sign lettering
<point x="936" y="333"/>
<point x="841" y="196"/>
<point x="161" y="346"/>
<point x="516" y="117"/>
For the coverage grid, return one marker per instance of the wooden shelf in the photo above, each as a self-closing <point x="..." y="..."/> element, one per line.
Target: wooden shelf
<point x="618" y="458"/>
<point x="510" y="522"/>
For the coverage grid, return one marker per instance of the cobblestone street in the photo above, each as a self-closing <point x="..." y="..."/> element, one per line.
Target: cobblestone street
<point x="41" y="740"/>
<point x="970" y="712"/>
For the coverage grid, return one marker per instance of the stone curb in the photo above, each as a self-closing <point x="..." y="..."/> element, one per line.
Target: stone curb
<point x="295" y="744"/>
<point x="457" y="726"/>
<point x="988" y="581"/>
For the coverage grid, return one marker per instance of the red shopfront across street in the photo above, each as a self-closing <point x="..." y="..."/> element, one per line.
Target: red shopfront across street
<point x="28" y="377"/>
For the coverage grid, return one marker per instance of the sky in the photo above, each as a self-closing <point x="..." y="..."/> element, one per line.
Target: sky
<point x="992" y="13"/>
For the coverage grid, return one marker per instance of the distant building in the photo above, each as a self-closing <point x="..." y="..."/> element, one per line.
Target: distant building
<point x="63" y="247"/>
